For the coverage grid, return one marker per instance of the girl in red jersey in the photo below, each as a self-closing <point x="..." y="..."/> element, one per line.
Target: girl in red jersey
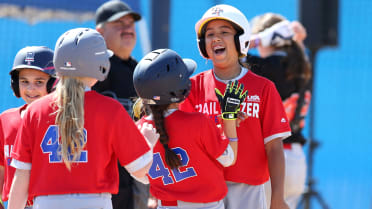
<point x="188" y="158"/>
<point x="223" y="37"/>
<point x="67" y="148"/>
<point x="32" y="77"/>
<point x="283" y="61"/>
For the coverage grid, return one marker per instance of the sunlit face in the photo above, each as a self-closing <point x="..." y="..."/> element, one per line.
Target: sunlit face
<point x="219" y="42"/>
<point x="32" y="84"/>
<point x="120" y="35"/>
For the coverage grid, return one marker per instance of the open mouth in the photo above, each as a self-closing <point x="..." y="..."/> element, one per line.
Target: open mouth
<point x="33" y="97"/>
<point x="124" y="34"/>
<point x="219" y="50"/>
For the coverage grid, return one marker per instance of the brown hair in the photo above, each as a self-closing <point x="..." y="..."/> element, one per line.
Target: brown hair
<point x="298" y="67"/>
<point x="171" y="158"/>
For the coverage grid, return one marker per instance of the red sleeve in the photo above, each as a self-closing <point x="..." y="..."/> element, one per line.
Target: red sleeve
<point x="128" y="143"/>
<point x="22" y="146"/>
<point x="213" y="139"/>
<point x="2" y="160"/>
<point x="274" y="119"/>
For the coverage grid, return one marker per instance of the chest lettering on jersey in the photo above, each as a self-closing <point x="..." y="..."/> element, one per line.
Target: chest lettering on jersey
<point x="251" y="108"/>
<point x="181" y="173"/>
<point x="50" y="145"/>
<point x="7" y="152"/>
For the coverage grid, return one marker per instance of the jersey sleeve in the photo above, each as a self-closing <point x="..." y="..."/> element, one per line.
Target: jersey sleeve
<point x="2" y="141"/>
<point x="212" y="139"/>
<point x="128" y="143"/>
<point x="22" y="150"/>
<point x="275" y="123"/>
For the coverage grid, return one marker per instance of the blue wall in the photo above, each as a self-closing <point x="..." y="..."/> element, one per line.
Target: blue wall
<point x="342" y="116"/>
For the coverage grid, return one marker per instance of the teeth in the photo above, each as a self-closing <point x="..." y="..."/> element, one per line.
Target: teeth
<point x="218" y="47"/>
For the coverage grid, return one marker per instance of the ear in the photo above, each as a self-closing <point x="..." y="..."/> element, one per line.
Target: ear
<point x="99" y="28"/>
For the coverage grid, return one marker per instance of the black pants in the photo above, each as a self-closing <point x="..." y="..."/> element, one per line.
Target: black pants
<point x="124" y="199"/>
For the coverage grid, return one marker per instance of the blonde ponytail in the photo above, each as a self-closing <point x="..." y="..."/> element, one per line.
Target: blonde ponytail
<point x="70" y="118"/>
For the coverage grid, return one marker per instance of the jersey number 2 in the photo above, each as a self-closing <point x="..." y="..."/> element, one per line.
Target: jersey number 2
<point x="50" y="145"/>
<point x="159" y="170"/>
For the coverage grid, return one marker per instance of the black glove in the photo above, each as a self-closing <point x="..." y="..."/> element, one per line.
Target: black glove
<point x="231" y="100"/>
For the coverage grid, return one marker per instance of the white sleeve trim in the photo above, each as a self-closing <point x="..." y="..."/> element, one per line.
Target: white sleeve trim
<point x="227" y="157"/>
<point x="282" y="136"/>
<point x="139" y="162"/>
<point x="20" y="165"/>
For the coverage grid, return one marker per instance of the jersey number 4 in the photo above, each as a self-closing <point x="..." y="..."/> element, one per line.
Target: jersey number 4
<point x="159" y="170"/>
<point x="51" y="146"/>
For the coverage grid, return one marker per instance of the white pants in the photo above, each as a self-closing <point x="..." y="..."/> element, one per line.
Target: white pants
<point x="244" y="196"/>
<point x="74" y="201"/>
<point x="191" y="205"/>
<point x="295" y="176"/>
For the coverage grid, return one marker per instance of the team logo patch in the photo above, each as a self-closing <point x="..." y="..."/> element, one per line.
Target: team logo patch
<point x="67" y="66"/>
<point x="253" y="98"/>
<point x="30" y="57"/>
<point x="283" y="120"/>
<point x="217" y="11"/>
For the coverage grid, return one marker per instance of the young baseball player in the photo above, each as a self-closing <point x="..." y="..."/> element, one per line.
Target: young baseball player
<point x="67" y="148"/>
<point x="282" y="60"/>
<point x="223" y="37"/>
<point x="32" y="77"/>
<point x="188" y="158"/>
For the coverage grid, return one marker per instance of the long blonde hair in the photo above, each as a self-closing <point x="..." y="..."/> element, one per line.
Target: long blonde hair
<point x="70" y="118"/>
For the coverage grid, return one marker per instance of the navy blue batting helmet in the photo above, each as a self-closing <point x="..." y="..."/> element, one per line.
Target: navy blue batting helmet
<point x="33" y="57"/>
<point x="162" y="77"/>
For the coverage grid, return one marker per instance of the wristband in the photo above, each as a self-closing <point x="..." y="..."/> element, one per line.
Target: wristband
<point x="229" y="116"/>
<point x="233" y="139"/>
<point x="256" y="42"/>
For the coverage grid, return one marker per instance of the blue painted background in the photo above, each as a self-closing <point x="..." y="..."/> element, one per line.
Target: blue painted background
<point x="343" y="98"/>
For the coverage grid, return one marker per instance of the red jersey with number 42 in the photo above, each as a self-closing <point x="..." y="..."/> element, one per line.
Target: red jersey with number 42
<point x="110" y="134"/>
<point x="266" y="121"/>
<point x="199" y="143"/>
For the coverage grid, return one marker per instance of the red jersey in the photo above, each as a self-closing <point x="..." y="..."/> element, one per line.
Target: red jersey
<point x="198" y="142"/>
<point x="10" y="121"/>
<point x="266" y="121"/>
<point x="110" y="135"/>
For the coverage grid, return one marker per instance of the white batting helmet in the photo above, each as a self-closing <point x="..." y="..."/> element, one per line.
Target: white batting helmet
<point x="228" y="13"/>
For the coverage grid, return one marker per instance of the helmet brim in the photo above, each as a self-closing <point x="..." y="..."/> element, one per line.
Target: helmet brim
<point x="203" y="22"/>
<point x="109" y="53"/>
<point x="119" y="15"/>
<point x="190" y="65"/>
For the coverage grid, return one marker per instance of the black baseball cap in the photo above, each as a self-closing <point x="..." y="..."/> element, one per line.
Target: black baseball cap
<point x="114" y="10"/>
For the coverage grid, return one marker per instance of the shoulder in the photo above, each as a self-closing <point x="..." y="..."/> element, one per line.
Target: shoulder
<point x="202" y="75"/>
<point x="10" y="111"/>
<point x="100" y="100"/>
<point x="200" y="80"/>
<point x="43" y="103"/>
<point x="257" y="79"/>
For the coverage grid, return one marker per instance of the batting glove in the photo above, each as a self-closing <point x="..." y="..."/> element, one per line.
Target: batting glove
<point x="277" y="35"/>
<point x="230" y="101"/>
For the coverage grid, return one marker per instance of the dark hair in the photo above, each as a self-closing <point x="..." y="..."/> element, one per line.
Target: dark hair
<point x="171" y="158"/>
<point x="298" y="67"/>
